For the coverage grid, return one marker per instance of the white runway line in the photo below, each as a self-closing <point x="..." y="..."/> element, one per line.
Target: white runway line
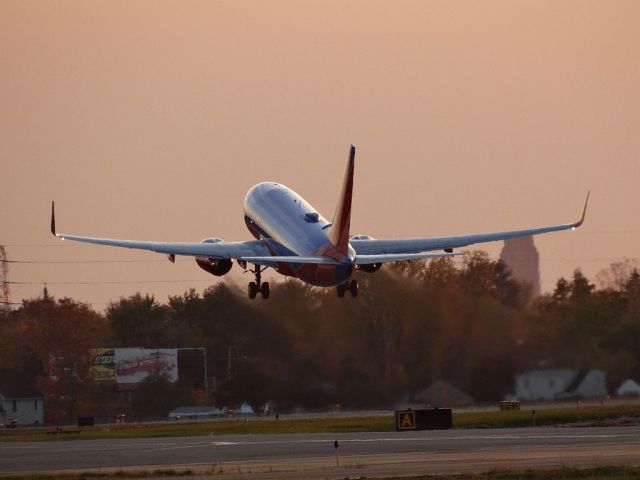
<point x="393" y="439"/>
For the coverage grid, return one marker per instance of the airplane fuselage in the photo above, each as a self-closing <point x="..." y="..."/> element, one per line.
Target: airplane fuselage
<point x="289" y="225"/>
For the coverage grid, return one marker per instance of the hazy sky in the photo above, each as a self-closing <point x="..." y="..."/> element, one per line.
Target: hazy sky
<point x="151" y="120"/>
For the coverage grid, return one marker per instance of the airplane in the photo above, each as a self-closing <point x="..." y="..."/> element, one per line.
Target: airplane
<point x="295" y="240"/>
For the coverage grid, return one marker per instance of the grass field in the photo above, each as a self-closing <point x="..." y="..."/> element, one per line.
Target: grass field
<point x="593" y="415"/>
<point x="583" y="415"/>
<point x="596" y="473"/>
<point x="599" y="473"/>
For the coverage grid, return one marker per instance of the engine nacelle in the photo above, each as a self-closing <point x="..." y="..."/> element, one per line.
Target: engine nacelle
<point x="215" y="266"/>
<point x="362" y="237"/>
<point x="370" y="267"/>
<point x="212" y="240"/>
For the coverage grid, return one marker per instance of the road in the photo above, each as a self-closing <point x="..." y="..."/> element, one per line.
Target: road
<point x="314" y="455"/>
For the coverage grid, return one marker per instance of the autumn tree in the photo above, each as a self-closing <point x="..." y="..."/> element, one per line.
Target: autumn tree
<point x="465" y="321"/>
<point x="61" y="334"/>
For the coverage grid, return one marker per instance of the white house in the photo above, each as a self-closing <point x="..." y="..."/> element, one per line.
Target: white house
<point x="553" y="384"/>
<point x="443" y="394"/>
<point x="20" y="400"/>
<point x="629" y="387"/>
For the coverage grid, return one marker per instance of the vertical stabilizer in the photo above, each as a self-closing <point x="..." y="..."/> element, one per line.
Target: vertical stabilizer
<point x="339" y="233"/>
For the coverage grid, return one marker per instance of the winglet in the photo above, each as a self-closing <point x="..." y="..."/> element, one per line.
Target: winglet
<point x="584" y="212"/>
<point x="53" y="218"/>
<point x="339" y="233"/>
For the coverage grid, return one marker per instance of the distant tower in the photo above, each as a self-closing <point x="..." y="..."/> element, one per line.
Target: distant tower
<point x="4" y="279"/>
<point x="521" y="256"/>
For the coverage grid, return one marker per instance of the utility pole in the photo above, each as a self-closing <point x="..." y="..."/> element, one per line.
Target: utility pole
<point x="206" y="380"/>
<point x="4" y="280"/>
<point x="229" y="353"/>
<point x="72" y="391"/>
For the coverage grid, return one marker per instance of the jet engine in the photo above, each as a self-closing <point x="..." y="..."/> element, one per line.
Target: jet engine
<point x="215" y="266"/>
<point x="370" y="267"/>
<point x="362" y="237"/>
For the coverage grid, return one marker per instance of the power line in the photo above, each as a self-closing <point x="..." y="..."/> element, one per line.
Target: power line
<point x="41" y="245"/>
<point x="158" y="260"/>
<point x="610" y="232"/>
<point x="619" y="259"/>
<point x="61" y="245"/>
<point x="132" y="282"/>
<point x="88" y="261"/>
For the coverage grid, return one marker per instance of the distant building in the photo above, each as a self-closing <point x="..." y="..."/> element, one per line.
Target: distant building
<point x="20" y="399"/>
<point x="521" y="256"/>
<point x="556" y="384"/>
<point x="443" y="395"/>
<point x="196" y="413"/>
<point x="628" y="388"/>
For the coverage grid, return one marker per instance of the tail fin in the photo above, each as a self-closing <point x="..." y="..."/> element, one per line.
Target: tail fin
<point x="339" y="233"/>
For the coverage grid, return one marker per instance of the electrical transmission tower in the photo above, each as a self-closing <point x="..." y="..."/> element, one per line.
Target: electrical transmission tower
<point x="4" y="279"/>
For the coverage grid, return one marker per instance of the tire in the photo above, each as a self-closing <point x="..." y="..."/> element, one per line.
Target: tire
<point x="264" y="290"/>
<point x="253" y="290"/>
<point x="340" y="289"/>
<point x="353" y="288"/>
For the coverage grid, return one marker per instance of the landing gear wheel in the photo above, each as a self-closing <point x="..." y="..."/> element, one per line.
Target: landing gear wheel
<point x="253" y="290"/>
<point x="353" y="288"/>
<point x="341" y="289"/>
<point x="258" y="286"/>
<point x="264" y="290"/>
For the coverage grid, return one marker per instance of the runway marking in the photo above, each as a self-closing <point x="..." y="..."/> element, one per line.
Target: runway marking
<point x="148" y="447"/>
<point x="433" y="439"/>
<point x="198" y="444"/>
<point x="390" y="439"/>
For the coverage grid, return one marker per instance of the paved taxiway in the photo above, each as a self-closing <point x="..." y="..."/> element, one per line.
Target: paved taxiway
<point x="313" y="455"/>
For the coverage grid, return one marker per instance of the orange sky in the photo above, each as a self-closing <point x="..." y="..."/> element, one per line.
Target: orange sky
<point x="150" y="120"/>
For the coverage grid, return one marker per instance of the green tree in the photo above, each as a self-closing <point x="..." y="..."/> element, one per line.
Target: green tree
<point x="142" y="322"/>
<point x="632" y="291"/>
<point x="157" y="395"/>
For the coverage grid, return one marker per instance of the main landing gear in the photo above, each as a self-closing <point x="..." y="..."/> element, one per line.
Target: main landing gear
<point x="351" y="286"/>
<point x="258" y="286"/>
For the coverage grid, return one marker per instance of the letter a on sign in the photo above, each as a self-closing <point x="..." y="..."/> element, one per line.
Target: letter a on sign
<point x="406" y="420"/>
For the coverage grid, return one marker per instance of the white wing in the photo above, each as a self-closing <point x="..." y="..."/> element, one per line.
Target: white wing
<point x="381" y="247"/>
<point x="235" y="250"/>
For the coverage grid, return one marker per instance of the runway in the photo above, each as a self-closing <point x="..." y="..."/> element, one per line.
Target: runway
<point x="314" y="455"/>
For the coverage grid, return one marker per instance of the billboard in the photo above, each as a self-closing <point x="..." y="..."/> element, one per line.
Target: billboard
<point x="104" y="365"/>
<point x="132" y="365"/>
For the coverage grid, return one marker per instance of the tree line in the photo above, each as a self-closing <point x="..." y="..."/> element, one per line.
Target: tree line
<point x="470" y="323"/>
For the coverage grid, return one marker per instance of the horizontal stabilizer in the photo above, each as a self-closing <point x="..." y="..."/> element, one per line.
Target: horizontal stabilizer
<point x="399" y="257"/>
<point x="267" y="260"/>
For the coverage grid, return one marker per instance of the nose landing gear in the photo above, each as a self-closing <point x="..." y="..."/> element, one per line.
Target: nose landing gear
<point x="258" y="286"/>
<point x="351" y="286"/>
